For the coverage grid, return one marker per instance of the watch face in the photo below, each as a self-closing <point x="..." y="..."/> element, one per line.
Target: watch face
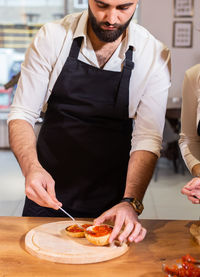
<point x="138" y="205"/>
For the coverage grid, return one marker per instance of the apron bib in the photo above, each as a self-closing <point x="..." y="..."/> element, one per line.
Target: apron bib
<point x="85" y="139"/>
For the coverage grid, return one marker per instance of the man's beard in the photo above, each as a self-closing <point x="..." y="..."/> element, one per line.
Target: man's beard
<point x="107" y="35"/>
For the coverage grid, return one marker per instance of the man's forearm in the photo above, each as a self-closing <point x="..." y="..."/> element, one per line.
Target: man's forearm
<point x="140" y="170"/>
<point x="23" y="144"/>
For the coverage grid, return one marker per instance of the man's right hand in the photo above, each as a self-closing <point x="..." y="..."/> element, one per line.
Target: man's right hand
<point x="40" y="188"/>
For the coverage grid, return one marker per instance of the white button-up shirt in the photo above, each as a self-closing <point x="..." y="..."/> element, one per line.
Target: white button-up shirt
<point x="190" y="117"/>
<point x="149" y="81"/>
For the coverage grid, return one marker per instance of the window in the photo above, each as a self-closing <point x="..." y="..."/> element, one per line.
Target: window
<point x="19" y="22"/>
<point x="80" y="4"/>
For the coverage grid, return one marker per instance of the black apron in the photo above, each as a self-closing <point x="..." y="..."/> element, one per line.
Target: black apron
<point x="85" y="139"/>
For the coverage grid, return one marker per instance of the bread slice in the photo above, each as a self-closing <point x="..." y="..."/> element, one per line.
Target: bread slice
<point x="77" y="231"/>
<point x="98" y="234"/>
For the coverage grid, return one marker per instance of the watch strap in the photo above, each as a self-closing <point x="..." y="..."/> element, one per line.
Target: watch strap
<point x="135" y="203"/>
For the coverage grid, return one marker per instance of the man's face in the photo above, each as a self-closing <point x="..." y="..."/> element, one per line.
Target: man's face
<point x="110" y="18"/>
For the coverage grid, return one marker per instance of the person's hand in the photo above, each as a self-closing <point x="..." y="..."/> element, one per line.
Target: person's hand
<point x="40" y="188"/>
<point x="192" y="190"/>
<point x="123" y="215"/>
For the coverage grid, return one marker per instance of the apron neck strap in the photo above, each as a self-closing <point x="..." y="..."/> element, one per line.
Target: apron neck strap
<point x="128" y="63"/>
<point x="76" y="46"/>
<point x="122" y="99"/>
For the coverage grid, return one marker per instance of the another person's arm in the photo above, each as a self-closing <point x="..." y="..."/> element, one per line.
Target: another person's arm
<point x="189" y="139"/>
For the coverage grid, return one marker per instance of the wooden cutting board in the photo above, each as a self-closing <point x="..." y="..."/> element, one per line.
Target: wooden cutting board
<point x="50" y="242"/>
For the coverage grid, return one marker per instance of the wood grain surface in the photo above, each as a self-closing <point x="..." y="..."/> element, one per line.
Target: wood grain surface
<point x="51" y="242"/>
<point x="165" y="241"/>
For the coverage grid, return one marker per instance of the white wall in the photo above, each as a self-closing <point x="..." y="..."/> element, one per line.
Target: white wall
<point x="157" y="16"/>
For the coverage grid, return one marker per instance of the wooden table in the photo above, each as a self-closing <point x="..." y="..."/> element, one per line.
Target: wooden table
<point x="166" y="240"/>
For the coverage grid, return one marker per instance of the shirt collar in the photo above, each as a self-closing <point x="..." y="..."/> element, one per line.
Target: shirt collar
<point x="81" y="29"/>
<point x="130" y="35"/>
<point x="127" y="41"/>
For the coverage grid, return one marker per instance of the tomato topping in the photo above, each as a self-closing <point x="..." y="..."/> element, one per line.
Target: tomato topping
<point x="85" y="226"/>
<point x="74" y="229"/>
<point x="77" y="229"/>
<point x="99" y="231"/>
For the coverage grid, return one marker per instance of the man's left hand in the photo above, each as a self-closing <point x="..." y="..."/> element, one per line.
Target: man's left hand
<point x="121" y="215"/>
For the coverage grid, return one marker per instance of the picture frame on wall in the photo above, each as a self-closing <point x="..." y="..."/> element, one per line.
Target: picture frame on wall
<point x="183" y="8"/>
<point x="80" y="4"/>
<point x="182" y="34"/>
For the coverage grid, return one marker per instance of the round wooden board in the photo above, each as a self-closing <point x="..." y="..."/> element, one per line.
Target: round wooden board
<point x="50" y="242"/>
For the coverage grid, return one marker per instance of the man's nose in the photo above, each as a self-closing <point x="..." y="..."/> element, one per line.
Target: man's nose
<point x="111" y="16"/>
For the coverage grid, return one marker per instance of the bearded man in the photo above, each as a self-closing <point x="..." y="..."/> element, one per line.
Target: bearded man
<point x="97" y="71"/>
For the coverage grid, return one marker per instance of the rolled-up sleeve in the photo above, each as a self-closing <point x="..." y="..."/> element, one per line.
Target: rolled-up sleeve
<point x="150" y="114"/>
<point x="32" y="88"/>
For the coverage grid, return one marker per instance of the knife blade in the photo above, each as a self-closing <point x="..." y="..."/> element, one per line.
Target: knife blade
<point x="71" y="217"/>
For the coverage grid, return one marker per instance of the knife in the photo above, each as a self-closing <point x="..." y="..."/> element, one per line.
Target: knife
<point x="71" y="217"/>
